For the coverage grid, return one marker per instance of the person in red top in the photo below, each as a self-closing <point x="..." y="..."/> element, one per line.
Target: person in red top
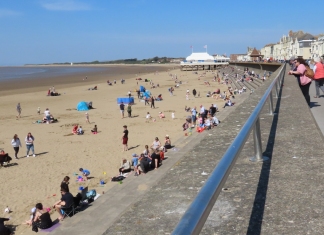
<point x="125" y="138"/>
<point x="318" y="76"/>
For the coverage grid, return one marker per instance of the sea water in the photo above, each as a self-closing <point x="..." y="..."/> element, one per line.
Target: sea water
<point x="9" y="73"/>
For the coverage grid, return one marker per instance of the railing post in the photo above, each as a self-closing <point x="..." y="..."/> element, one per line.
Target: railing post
<point x="270" y="103"/>
<point x="257" y="143"/>
<point x="277" y="89"/>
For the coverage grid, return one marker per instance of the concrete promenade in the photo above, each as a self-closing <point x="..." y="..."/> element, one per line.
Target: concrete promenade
<point x="281" y="196"/>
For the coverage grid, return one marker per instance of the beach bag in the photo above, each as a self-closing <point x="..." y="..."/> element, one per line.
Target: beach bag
<point x="309" y="72"/>
<point x="117" y="178"/>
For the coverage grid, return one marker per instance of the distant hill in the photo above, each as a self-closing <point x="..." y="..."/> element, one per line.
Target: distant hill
<point x="154" y="60"/>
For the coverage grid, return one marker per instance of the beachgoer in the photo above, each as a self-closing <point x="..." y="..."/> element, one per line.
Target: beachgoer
<point x="125" y="167"/>
<point x="144" y="165"/>
<point x="15" y="142"/>
<point x="85" y="173"/>
<point x="148" y="117"/>
<point x="135" y="159"/>
<point x="75" y="129"/>
<point x="87" y="118"/>
<point x="125" y="138"/>
<point x="42" y="218"/>
<point x="38" y="110"/>
<point x="156" y="159"/>
<point x="129" y="94"/>
<point x="29" y="140"/>
<point x="18" y="110"/>
<point x="152" y="103"/>
<point x="122" y="109"/>
<point x="146" y="151"/>
<point x="172" y="115"/>
<point x="5" y="157"/>
<point x="194" y="116"/>
<point x="65" y="183"/>
<point x="3" y="229"/>
<point x="94" y="130"/>
<point x="161" y="115"/>
<point x="80" y="131"/>
<point x="47" y="114"/>
<point x="156" y="144"/>
<point x="138" y="94"/>
<point x="146" y="101"/>
<point x="65" y="202"/>
<point x="167" y="143"/>
<point x="129" y="110"/>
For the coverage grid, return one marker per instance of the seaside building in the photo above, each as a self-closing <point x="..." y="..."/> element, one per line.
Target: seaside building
<point x="203" y="61"/>
<point x="297" y="44"/>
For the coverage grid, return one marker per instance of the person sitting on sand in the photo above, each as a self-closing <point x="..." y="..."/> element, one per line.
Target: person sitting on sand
<point x="161" y="115"/>
<point x="85" y="173"/>
<point x="3" y="229"/>
<point x="4" y="157"/>
<point x="156" y="144"/>
<point x="65" y="184"/>
<point x="75" y="130"/>
<point x="167" y="143"/>
<point x="159" y="98"/>
<point x="80" y="131"/>
<point x="65" y="202"/>
<point x="94" y="130"/>
<point x="42" y="218"/>
<point x="125" y="166"/>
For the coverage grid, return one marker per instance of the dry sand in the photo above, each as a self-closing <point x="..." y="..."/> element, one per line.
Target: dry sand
<point x="34" y="180"/>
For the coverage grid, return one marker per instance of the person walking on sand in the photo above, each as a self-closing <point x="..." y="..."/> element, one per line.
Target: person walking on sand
<point x="87" y="118"/>
<point x="15" y="142"/>
<point x="125" y="138"/>
<point x="129" y="110"/>
<point x="152" y="102"/>
<point x="30" y="144"/>
<point x="122" y="109"/>
<point x="18" y="110"/>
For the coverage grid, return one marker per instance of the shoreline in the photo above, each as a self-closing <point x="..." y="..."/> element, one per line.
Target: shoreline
<point x="113" y="72"/>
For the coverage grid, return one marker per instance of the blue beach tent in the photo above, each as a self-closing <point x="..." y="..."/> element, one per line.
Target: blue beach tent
<point x="126" y="100"/>
<point x="82" y="106"/>
<point x="142" y="89"/>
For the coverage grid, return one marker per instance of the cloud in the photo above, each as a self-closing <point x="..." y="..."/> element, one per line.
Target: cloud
<point x="66" y="5"/>
<point x="7" y="13"/>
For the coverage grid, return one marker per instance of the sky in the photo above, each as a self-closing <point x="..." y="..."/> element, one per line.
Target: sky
<point x="50" y="31"/>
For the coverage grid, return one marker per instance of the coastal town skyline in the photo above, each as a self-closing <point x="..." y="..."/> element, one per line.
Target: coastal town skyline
<point x="57" y="31"/>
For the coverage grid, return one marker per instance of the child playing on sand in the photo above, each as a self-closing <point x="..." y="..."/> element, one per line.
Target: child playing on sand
<point x="85" y="173"/>
<point x="94" y="130"/>
<point x="148" y="117"/>
<point x="38" y="110"/>
<point x="87" y="118"/>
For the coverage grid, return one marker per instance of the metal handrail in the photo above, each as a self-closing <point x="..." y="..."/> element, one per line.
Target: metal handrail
<point x="196" y="215"/>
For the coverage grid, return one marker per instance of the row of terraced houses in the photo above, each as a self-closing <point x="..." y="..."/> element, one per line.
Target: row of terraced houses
<point x="297" y="44"/>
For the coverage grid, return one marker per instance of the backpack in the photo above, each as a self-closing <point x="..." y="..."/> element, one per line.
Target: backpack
<point x="309" y="72"/>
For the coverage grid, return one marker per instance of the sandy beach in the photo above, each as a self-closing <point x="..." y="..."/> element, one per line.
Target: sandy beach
<point x="32" y="180"/>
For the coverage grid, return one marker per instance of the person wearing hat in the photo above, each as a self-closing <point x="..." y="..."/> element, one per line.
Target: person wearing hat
<point x="125" y="138"/>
